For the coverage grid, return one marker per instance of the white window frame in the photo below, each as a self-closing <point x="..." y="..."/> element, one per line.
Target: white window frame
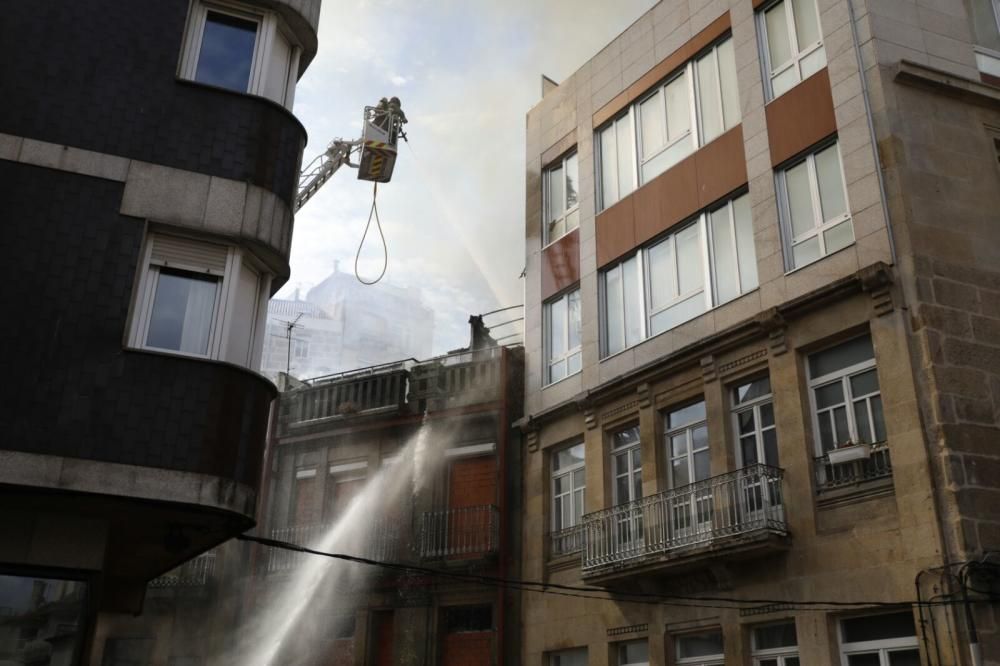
<point x="880" y="646"/>
<point x="631" y="471"/>
<point x="641" y="256"/>
<point x="700" y="223"/>
<point x="704" y="660"/>
<point x="820" y="226"/>
<point x="568" y="473"/>
<point x="567" y="211"/>
<point x="695" y="133"/>
<point x="227" y="293"/>
<point x="843" y="376"/>
<point x="269" y="26"/>
<point x="560" y="302"/>
<point x="798" y="54"/>
<point x="753" y="405"/>
<point x="733" y="241"/>
<point x="603" y="201"/>
<point x="686" y="430"/>
<point x="780" y="654"/>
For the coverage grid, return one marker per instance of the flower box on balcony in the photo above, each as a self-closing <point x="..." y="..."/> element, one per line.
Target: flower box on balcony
<point x="848" y="453"/>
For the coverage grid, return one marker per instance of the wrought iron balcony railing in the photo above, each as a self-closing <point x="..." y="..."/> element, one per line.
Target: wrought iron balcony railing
<point x="383" y="543"/>
<point x="347" y="395"/>
<point x="831" y="475"/>
<point x="462" y="533"/>
<point x="193" y="573"/>
<point x="741" y="503"/>
<point x="566" y="541"/>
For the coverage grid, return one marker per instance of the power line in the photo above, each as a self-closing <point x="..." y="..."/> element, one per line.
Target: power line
<point x="609" y="594"/>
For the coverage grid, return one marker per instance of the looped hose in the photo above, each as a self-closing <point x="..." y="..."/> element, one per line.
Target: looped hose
<point x="385" y="248"/>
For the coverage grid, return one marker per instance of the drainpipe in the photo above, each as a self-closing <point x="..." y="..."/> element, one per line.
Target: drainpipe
<point x="975" y="650"/>
<point x="871" y="129"/>
<point x="502" y="499"/>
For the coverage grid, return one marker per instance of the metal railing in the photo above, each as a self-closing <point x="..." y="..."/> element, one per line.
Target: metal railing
<point x="739" y="503"/>
<point x="467" y="376"/>
<point x="566" y="541"/>
<point x="838" y="475"/>
<point x="349" y="395"/>
<point x="383" y="544"/>
<point x="466" y="532"/>
<point x="193" y="573"/>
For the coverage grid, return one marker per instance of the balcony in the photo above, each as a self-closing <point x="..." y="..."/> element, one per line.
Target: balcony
<point x="464" y="533"/>
<point x="849" y="475"/>
<point x="458" y="379"/>
<point x="732" y="515"/>
<point x="566" y="542"/>
<point x="383" y="544"/>
<point x="369" y="391"/>
<point x="193" y="573"/>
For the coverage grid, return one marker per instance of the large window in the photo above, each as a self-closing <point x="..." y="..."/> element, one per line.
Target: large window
<point x="568" y="484"/>
<point x="701" y="264"/>
<point x="687" y="444"/>
<point x="575" y="657"/>
<point x="880" y="640"/>
<point x="753" y="418"/>
<point x="200" y="299"/>
<point x="632" y="653"/>
<point x="626" y="466"/>
<point x="41" y="620"/>
<point x="816" y="220"/>
<point x="561" y="197"/>
<point x="242" y="49"/>
<point x="847" y="403"/>
<point x="775" y="645"/>
<point x="695" y="105"/>
<point x="562" y="337"/>
<point x="701" y="649"/>
<point x="793" y="43"/>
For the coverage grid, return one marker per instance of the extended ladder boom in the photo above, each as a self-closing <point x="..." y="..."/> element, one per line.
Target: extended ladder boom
<point x="317" y="172"/>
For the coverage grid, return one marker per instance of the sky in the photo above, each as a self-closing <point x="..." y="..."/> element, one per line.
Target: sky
<point x="467" y="72"/>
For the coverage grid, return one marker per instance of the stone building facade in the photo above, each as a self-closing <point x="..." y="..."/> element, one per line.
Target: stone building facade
<point x="409" y="463"/>
<point x="761" y="347"/>
<point x="149" y="158"/>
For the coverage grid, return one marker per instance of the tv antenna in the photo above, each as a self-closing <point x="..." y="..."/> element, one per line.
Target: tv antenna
<point x="289" y="326"/>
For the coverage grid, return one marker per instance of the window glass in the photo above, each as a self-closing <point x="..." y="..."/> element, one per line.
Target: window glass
<point x="467" y="618"/>
<point x="609" y="166"/>
<point x="678" y="107"/>
<point x="727" y="277"/>
<point x="690" y="276"/>
<point x="41" y="620"/>
<point x="662" y="275"/>
<point x="841" y="356"/>
<point x="614" y="306"/>
<point x="699" y="645"/>
<point x="752" y="390"/>
<point x="562" y="326"/>
<point x="557" y="329"/>
<point x="806" y="23"/>
<point x="651" y="117"/>
<point x="556" y="197"/>
<point x="688" y="414"/>
<point x="577" y="657"/>
<point x="799" y="199"/>
<point x="775" y="636"/>
<point x="745" y="244"/>
<point x="183" y="309"/>
<point x="730" y="88"/>
<point x="709" y="98"/>
<point x="569" y="456"/>
<point x="633" y="653"/>
<point x="778" y="46"/>
<point x="831" y="183"/>
<point x="278" y="68"/>
<point x="633" y="305"/>
<point x="626" y="156"/>
<point x="574" y="323"/>
<point x="878" y="627"/>
<point x="812" y="63"/>
<point x="226" y="55"/>
<point x="572" y="181"/>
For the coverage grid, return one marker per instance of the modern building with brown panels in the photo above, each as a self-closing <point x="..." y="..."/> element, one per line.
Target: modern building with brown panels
<point x="763" y="339"/>
<point x="149" y="159"/>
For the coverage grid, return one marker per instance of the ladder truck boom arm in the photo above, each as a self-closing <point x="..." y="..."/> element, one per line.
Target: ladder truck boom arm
<point x="321" y="169"/>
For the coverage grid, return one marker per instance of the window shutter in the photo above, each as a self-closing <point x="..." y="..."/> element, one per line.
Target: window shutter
<point x="189" y="254"/>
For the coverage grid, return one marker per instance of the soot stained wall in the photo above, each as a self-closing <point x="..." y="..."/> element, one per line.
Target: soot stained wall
<point x="101" y="75"/>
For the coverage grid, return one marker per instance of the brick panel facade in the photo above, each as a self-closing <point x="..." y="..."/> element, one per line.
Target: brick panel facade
<point x="135" y="106"/>
<point x="471" y="648"/>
